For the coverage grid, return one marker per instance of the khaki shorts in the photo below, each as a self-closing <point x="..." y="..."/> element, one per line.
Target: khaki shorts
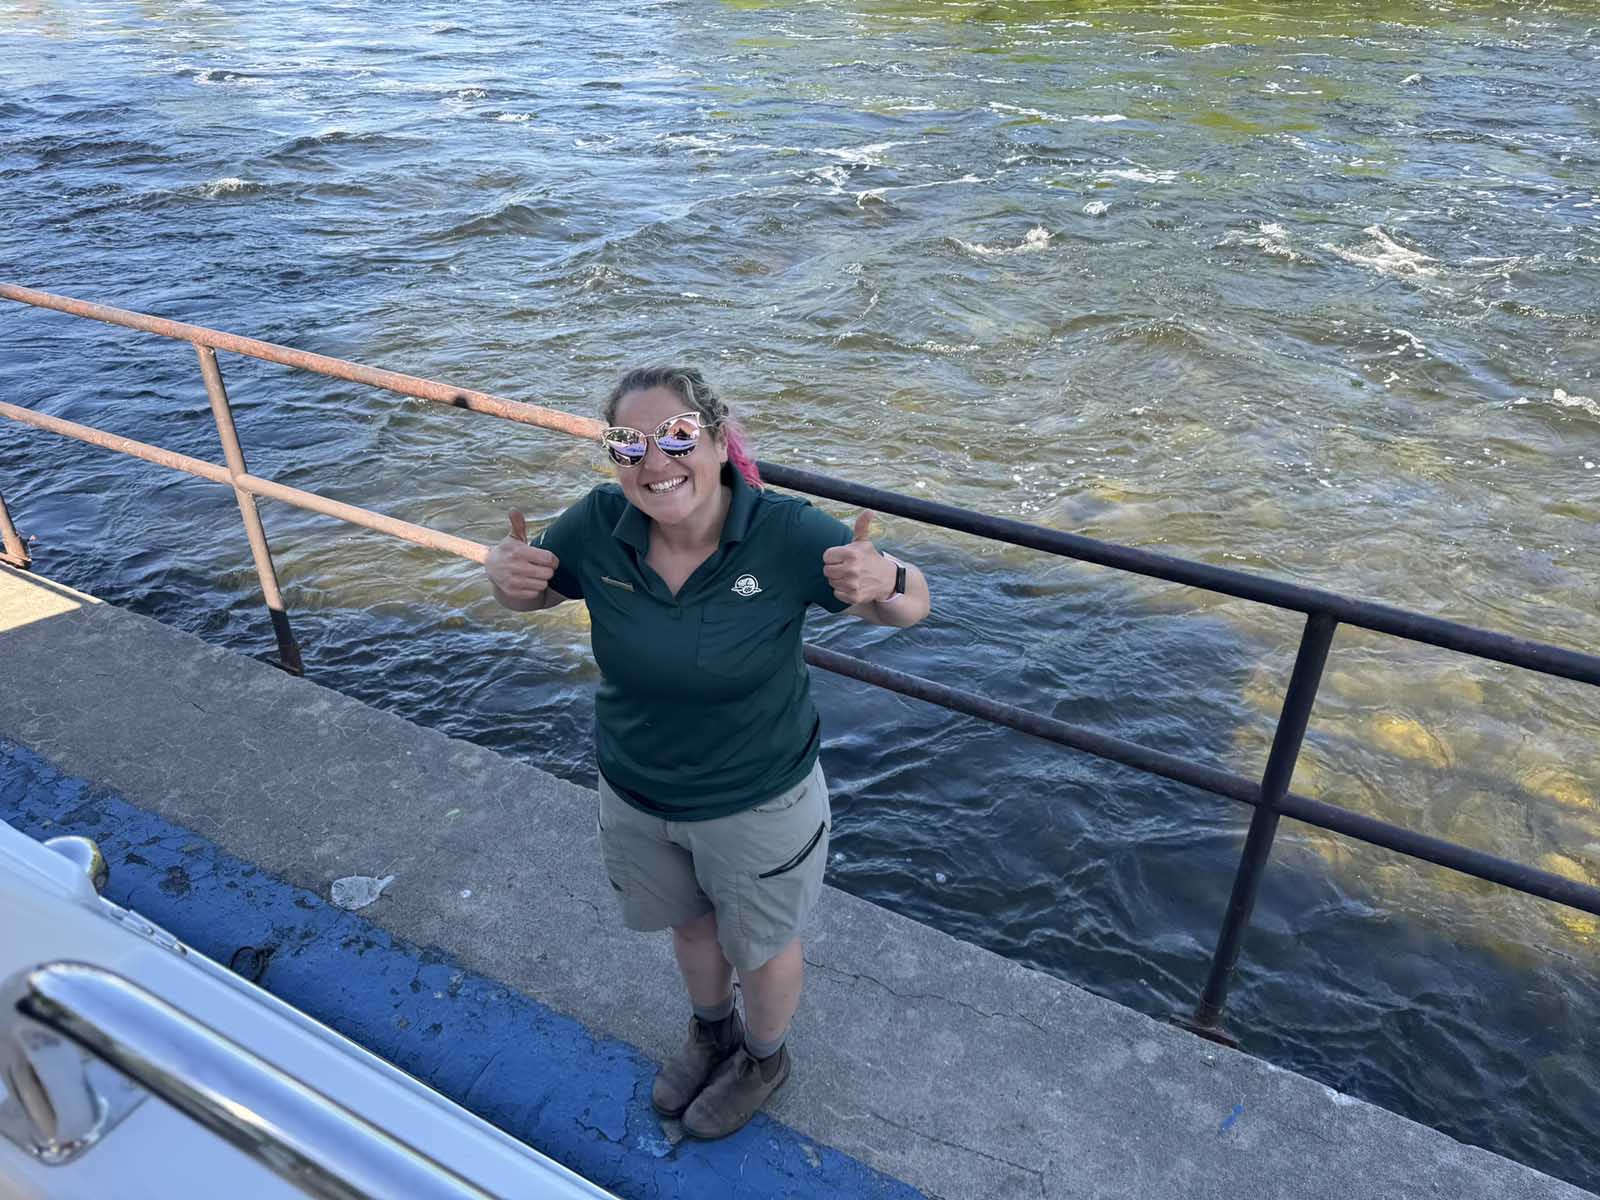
<point x="759" y="870"/>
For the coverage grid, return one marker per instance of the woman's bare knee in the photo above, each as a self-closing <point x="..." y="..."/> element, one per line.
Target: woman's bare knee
<point x="700" y="929"/>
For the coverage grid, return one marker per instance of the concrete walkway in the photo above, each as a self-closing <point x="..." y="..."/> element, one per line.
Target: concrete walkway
<point x="930" y="1060"/>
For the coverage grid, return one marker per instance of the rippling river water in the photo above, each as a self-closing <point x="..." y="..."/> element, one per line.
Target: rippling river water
<point x="1308" y="290"/>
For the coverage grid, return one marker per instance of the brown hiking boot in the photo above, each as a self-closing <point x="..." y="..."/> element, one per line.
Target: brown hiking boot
<point x="683" y="1075"/>
<point x="735" y="1094"/>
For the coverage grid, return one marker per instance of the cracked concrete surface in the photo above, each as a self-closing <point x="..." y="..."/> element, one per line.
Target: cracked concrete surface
<point x="958" y="1071"/>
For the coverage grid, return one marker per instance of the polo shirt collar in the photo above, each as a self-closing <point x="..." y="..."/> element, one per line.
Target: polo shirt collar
<point x="633" y="527"/>
<point x="737" y="523"/>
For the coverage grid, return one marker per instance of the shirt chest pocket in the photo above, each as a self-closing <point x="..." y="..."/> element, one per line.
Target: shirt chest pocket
<point x="747" y="638"/>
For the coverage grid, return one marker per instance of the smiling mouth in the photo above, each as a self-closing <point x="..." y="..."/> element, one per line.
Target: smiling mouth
<point x="665" y="486"/>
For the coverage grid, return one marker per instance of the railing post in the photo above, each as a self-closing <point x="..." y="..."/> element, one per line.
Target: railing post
<point x="288" y="650"/>
<point x="15" y="552"/>
<point x="1302" y="693"/>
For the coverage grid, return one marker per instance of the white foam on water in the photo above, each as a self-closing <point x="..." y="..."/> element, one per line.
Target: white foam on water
<point x="515" y="117"/>
<point x="835" y="176"/>
<point x="958" y="75"/>
<point x="1140" y="175"/>
<point x="1014" y="110"/>
<point x="1270" y="238"/>
<point x="1385" y="255"/>
<point x="867" y="156"/>
<point x="1410" y="79"/>
<point x="1055" y="118"/>
<point x="1416" y="342"/>
<point x="212" y="76"/>
<point x="1567" y="400"/>
<point x="1037" y="238"/>
<point x="223" y="187"/>
<point x="1096" y="208"/>
<point x="878" y="194"/>
<point x="695" y="141"/>
<point x="1274" y="240"/>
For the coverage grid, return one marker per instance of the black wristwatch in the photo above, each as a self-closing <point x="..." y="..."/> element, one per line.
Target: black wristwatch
<point x="899" y="580"/>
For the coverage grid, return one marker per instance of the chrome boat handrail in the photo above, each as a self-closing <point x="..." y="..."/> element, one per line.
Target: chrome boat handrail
<point x="303" y="1136"/>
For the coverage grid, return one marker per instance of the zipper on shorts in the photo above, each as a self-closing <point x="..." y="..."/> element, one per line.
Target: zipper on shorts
<point x="798" y="858"/>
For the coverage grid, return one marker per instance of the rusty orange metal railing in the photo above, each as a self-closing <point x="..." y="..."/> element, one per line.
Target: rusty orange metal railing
<point x="246" y="486"/>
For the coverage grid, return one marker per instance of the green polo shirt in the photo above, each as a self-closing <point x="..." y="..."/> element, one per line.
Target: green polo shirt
<point x="704" y="707"/>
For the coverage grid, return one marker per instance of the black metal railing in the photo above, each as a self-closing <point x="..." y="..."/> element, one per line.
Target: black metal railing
<point x="1325" y="611"/>
<point x="1269" y="796"/>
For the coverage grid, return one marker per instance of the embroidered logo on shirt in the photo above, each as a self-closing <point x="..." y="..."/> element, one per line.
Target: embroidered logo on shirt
<point x="616" y="583"/>
<point x="746" y="585"/>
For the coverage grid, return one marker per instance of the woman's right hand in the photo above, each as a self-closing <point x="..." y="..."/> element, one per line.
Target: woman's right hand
<point x="519" y="573"/>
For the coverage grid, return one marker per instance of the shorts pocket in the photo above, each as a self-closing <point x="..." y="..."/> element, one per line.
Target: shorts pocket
<point x="803" y="854"/>
<point x="613" y="847"/>
<point x="776" y="903"/>
<point x="616" y="863"/>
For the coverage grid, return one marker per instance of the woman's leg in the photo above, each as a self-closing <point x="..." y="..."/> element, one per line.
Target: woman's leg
<point x="706" y="973"/>
<point x="765" y="865"/>
<point x="715" y="1032"/>
<point x="771" y="994"/>
<point x="742" y="1084"/>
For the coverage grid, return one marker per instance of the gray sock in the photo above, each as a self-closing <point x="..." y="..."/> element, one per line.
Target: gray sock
<point x="716" y="1013"/>
<point x="758" y="1049"/>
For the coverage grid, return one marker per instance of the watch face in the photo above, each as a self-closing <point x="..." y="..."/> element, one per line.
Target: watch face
<point x="899" y="579"/>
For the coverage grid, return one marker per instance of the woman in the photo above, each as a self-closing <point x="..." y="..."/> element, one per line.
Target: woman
<point x="714" y="812"/>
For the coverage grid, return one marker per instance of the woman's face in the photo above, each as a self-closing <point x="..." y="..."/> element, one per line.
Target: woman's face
<point x="669" y="490"/>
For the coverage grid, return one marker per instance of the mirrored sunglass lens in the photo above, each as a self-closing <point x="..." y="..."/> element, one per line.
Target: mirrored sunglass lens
<point x="679" y="435"/>
<point x="626" y="445"/>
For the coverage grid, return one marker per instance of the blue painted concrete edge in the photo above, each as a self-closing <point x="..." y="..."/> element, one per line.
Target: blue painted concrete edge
<point x="580" y="1099"/>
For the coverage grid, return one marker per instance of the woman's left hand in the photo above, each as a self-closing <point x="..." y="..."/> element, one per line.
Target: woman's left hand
<point x="858" y="572"/>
